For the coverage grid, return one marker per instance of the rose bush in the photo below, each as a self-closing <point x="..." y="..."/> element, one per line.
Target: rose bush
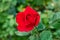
<point x="47" y="29"/>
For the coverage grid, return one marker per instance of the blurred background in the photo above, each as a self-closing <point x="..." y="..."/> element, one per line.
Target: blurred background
<point x="48" y="28"/>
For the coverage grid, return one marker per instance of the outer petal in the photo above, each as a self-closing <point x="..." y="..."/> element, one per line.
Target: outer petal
<point x="21" y="28"/>
<point x="25" y="28"/>
<point x="20" y="18"/>
<point x="37" y="20"/>
<point x="29" y="10"/>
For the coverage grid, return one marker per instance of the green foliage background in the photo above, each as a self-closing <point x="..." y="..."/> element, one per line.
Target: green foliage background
<point x="48" y="28"/>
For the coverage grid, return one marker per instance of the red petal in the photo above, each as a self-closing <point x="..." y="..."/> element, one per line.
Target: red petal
<point x="29" y="10"/>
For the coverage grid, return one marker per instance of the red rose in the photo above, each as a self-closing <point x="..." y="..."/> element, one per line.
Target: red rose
<point x="27" y="20"/>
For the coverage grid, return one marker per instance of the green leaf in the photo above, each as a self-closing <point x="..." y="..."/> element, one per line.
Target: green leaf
<point x="46" y="35"/>
<point x="6" y="4"/>
<point x="55" y="22"/>
<point x="11" y="23"/>
<point x="41" y="2"/>
<point x="44" y="18"/>
<point x="34" y="37"/>
<point x="56" y="16"/>
<point x="41" y="26"/>
<point x="50" y="5"/>
<point x="5" y="25"/>
<point x="57" y="33"/>
<point x="57" y="5"/>
<point x="20" y="8"/>
<point x="57" y="2"/>
<point x="10" y="30"/>
<point x="21" y="33"/>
